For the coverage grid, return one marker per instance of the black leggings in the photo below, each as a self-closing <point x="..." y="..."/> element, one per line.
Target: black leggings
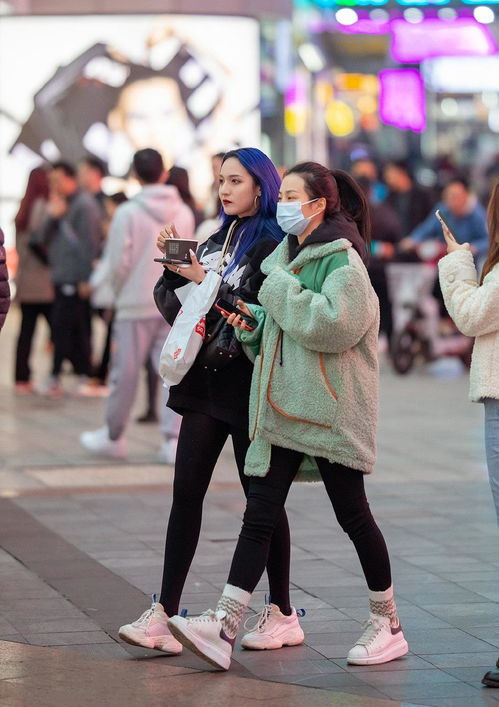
<point x="266" y="498"/>
<point x="200" y="443"/>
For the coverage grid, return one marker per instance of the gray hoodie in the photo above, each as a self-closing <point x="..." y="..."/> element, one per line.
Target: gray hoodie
<point x="73" y="241"/>
<point x="131" y="247"/>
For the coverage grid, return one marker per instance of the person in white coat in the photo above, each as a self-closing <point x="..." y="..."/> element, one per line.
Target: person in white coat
<point x="473" y="304"/>
<point x="139" y="330"/>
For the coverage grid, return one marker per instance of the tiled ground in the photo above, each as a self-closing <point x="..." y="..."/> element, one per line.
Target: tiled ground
<point x="81" y="543"/>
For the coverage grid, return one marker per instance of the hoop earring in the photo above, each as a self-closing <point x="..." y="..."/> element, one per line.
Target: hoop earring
<point x="256" y="202"/>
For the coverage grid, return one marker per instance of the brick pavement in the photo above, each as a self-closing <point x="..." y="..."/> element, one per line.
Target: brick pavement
<point x="81" y="543"/>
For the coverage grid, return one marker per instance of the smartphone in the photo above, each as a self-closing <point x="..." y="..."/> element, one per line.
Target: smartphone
<point x="227" y="307"/>
<point x="443" y="221"/>
<point x="169" y="261"/>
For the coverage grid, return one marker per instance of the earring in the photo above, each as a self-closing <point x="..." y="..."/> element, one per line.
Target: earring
<point x="256" y="201"/>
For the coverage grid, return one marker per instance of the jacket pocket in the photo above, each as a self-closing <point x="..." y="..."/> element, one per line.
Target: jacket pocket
<point x="299" y="389"/>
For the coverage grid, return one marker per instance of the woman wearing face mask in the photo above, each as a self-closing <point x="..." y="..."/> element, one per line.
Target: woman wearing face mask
<point x="214" y="401"/>
<point x="313" y="404"/>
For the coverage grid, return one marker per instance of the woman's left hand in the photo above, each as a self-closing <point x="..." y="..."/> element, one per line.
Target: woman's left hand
<point x="451" y="242"/>
<point x="194" y="272"/>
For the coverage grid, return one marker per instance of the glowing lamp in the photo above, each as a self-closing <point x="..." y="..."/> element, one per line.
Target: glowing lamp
<point x="339" y="118"/>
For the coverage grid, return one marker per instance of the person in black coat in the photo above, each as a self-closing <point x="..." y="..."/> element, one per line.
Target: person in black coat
<point x="4" y="283"/>
<point x="213" y="399"/>
<point x="411" y="202"/>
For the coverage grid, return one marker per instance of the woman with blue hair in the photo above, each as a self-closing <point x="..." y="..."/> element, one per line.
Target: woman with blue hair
<point x="213" y="399"/>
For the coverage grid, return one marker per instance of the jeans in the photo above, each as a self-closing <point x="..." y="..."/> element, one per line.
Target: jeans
<point x="491" y="406"/>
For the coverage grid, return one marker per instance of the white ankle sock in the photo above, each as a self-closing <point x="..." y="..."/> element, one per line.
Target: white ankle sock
<point x="234" y="602"/>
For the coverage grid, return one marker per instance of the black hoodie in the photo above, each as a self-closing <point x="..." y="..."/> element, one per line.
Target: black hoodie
<point x="340" y="225"/>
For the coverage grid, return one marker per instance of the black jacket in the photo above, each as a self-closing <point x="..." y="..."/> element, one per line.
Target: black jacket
<point x="223" y="395"/>
<point x="411" y="207"/>
<point x="4" y="283"/>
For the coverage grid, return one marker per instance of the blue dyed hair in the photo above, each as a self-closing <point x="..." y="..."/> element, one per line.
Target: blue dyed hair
<point x="264" y="221"/>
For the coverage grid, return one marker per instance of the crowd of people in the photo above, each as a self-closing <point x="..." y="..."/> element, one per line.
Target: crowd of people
<point x="297" y="260"/>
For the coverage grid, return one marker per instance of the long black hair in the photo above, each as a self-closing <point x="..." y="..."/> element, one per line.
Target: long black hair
<point x="341" y="192"/>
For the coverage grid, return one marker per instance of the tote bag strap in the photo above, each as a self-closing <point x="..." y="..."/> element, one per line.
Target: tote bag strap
<point x="226" y="247"/>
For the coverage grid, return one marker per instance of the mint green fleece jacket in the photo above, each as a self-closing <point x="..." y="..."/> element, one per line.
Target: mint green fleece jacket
<point x="315" y="379"/>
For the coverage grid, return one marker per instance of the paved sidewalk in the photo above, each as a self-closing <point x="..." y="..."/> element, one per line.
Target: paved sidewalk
<point x="81" y="543"/>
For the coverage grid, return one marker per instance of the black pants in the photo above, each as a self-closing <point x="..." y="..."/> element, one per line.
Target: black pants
<point x="266" y="498"/>
<point x="200" y="443"/>
<point x="377" y="273"/>
<point x="29" y="316"/>
<point x="70" y="332"/>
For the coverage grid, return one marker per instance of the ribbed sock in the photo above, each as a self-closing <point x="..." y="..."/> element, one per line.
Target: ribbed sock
<point x="383" y="604"/>
<point x="234" y="602"/>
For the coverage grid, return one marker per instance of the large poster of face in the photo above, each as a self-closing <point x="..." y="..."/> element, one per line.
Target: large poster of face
<point x="110" y="85"/>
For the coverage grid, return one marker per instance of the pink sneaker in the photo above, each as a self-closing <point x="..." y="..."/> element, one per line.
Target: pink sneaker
<point x="151" y="631"/>
<point x="272" y="629"/>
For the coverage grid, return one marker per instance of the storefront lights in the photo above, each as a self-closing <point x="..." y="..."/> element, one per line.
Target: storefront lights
<point x="413" y="15"/>
<point x="346" y="16"/>
<point x="312" y="57"/>
<point x="484" y="15"/>
<point x="412" y="43"/>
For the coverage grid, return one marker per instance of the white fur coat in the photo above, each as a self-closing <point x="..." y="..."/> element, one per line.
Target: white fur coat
<point x="475" y="310"/>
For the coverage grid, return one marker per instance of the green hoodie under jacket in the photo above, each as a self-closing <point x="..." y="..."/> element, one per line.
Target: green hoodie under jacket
<point x="315" y="380"/>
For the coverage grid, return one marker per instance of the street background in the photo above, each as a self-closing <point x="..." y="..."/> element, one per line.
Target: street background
<point x="81" y="550"/>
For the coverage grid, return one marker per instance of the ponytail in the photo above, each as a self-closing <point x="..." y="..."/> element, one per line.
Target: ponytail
<point x="354" y="203"/>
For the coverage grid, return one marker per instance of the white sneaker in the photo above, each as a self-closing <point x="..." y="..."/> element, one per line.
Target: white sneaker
<point x="272" y="629"/>
<point x="151" y="631"/>
<point x="168" y="451"/>
<point x="204" y="635"/>
<point x="379" y="643"/>
<point x="98" y="441"/>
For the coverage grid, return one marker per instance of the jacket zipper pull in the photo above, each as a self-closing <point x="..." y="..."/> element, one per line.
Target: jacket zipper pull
<point x="280" y="352"/>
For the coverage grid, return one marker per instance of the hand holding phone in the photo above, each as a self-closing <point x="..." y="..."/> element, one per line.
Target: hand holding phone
<point x="444" y="224"/>
<point x="227" y="308"/>
<point x="450" y="239"/>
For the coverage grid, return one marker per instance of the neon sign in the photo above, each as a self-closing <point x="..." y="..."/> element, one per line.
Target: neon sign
<point x="402" y="99"/>
<point x="412" y="43"/>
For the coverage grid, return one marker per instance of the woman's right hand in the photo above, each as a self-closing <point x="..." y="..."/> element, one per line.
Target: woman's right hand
<point x="235" y="320"/>
<point x="168" y="232"/>
<point x="451" y="242"/>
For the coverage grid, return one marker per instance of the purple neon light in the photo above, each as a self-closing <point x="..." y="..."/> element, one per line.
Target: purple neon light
<point x="402" y="99"/>
<point x="412" y="43"/>
<point x="365" y="26"/>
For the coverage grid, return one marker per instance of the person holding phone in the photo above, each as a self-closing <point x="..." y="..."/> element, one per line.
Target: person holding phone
<point x="213" y="401"/>
<point x="313" y="404"/>
<point x="465" y="216"/>
<point x="473" y="304"/>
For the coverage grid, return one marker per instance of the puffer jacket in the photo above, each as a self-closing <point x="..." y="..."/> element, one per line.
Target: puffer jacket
<point x="4" y="283"/>
<point x="475" y="310"/>
<point x="315" y="380"/>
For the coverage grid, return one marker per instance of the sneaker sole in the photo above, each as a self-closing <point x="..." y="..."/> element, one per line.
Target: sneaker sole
<point x="395" y="651"/>
<point x="148" y="643"/>
<point x="293" y="638"/>
<point x="195" y="644"/>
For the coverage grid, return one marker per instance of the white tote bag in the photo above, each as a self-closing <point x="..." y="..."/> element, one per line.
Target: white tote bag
<point x="186" y="336"/>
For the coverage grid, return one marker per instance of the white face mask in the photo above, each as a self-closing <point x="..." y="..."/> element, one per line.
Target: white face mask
<point x="290" y="216"/>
